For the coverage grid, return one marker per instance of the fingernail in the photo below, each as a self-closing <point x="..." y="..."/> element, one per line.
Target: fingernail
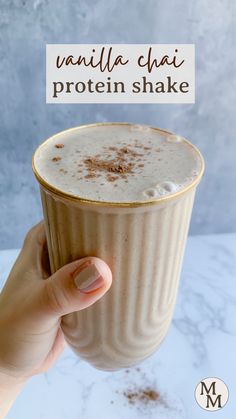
<point x="88" y="278"/>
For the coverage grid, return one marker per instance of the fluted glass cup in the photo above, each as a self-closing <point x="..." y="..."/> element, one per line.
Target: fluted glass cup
<point x="143" y="243"/>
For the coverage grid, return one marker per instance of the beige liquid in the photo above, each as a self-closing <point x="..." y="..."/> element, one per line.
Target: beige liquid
<point x="142" y="242"/>
<point x="160" y="164"/>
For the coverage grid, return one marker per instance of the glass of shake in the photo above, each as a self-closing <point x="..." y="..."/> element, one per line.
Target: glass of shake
<point x="123" y="193"/>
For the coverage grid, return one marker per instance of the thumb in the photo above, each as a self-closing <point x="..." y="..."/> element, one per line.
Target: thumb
<point x="76" y="286"/>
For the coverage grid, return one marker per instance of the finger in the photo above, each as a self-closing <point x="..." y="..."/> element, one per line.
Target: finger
<point x="37" y="231"/>
<point x="35" y="251"/>
<point x="75" y="286"/>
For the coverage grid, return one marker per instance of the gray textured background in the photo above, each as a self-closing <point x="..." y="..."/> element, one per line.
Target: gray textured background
<point x="25" y="119"/>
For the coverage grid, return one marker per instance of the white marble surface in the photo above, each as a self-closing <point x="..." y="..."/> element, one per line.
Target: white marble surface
<point x="201" y="342"/>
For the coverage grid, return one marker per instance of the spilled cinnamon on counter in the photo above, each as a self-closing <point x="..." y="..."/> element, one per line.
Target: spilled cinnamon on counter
<point x="144" y="396"/>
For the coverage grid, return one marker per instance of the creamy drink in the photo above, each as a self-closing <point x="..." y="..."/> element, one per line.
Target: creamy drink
<point x="123" y="193"/>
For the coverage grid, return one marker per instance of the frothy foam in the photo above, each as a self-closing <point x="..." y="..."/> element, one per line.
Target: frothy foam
<point x="117" y="163"/>
<point x="174" y="138"/>
<point x="142" y="128"/>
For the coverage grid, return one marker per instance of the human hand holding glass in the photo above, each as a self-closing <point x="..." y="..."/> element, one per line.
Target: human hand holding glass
<point x="32" y="304"/>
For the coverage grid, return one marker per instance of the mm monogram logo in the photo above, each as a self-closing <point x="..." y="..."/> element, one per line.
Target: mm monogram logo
<point x="211" y="394"/>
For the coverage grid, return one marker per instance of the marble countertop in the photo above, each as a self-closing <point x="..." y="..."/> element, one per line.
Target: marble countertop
<point x="201" y="343"/>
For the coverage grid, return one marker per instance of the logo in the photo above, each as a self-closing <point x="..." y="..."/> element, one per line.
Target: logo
<point x="211" y="394"/>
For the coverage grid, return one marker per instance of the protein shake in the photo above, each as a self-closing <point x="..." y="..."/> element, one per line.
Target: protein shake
<point x="123" y="193"/>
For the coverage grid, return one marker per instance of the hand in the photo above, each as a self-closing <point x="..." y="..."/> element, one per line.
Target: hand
<point x="32" y="304"/>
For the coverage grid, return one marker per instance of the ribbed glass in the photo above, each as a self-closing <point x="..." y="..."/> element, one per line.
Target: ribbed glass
<point x="144" y="248"/>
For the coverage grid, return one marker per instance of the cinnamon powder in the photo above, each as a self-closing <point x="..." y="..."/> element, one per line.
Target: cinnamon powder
<point x="95" y="164"/>
<point x="55" y="159"/>
<point x="144" y="396"/>
<point x="59" y="145"/>
<point x="120" y="164"/>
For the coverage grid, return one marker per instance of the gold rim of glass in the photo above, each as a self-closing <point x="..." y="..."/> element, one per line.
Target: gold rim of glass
<point x="77" y="198"/>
